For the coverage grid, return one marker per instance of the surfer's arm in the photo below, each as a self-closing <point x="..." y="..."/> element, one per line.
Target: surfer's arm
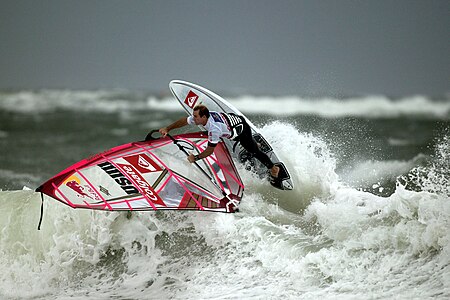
<point x="208" y="151"/>
<point x="177" y="124"/>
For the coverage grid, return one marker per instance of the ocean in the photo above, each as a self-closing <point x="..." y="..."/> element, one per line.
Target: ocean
<point x="369" y="217"/>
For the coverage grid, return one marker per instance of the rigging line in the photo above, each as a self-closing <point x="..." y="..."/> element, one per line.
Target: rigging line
<point x="214" y="159"/>
<point x="172" y="174"/>
<point x="199" y="149"/>
<point x="214" y="173"/>
<point x="198" y="166"/>
<point x="42" y="211"/>
<point x="225" y="170"/>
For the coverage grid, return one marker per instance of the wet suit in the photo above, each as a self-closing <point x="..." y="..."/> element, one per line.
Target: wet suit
<point x="248" y="143"/>
<point x="236" y="128"/>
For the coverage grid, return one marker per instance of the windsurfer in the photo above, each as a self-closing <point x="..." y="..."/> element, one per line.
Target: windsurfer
<point x="222" y="125"/>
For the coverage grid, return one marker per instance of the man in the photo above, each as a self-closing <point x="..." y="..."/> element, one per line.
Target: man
<point x="222" y="125"/>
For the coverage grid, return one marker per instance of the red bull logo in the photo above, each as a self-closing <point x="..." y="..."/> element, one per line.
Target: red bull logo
<point x="82" y="191"/>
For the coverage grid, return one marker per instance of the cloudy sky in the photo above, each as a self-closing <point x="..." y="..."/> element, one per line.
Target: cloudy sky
<point x="315" y="48"/>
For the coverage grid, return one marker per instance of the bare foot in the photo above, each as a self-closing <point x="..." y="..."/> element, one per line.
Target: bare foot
<point x="274" y="171"/>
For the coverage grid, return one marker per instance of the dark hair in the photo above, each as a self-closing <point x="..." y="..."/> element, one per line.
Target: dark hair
<point x="202" y="110"/>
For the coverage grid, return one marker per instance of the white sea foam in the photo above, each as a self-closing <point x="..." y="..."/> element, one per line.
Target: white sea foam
<point x="111" y="101"/>
<point x="370" y="172"/>
<point x="370" y="106"/>
<point x="322" y="240"/>
<point x="20" y="178"/>
<point x="30" y="102"/>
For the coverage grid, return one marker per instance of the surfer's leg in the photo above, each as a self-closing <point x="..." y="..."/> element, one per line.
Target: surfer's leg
<point x="248" y="143"/>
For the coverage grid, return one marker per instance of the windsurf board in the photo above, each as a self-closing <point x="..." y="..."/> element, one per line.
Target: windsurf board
<point x="189" y="95"/>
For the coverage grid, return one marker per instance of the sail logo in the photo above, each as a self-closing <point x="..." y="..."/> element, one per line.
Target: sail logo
<point x="143" y="163"/>
<point x="142" y="184"/>
<point x="118" y="177"/>
<point x="82" y="190"/>
<point x="191" y="99"/>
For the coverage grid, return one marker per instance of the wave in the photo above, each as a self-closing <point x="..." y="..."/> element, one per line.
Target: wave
<point x="368" y="107"/>
<point x="114" y="101"/>
<point x="19" y="178"/>
<point x="374" y="173"/>
<point x="324" y="239"/>
<point x="434" y="177"/>
<point x="44" y="101"/>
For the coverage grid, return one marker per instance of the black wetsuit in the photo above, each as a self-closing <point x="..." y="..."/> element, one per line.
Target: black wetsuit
<point x="244" y="136"/>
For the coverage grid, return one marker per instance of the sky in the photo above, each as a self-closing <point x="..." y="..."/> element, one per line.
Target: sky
<point x="260" y="47"/>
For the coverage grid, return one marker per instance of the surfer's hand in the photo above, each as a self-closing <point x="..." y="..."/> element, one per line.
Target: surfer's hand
<point x="163" y="131"/>
<point x="191" y="158"/>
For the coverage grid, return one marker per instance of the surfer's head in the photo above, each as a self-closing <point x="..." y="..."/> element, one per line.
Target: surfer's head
<point x="201" y="114"/>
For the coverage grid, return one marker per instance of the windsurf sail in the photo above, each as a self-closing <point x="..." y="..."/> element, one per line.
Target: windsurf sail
<point x="151" y="175"/>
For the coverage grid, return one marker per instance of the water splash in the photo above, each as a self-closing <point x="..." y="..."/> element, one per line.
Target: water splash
<point x="435" y="177"/>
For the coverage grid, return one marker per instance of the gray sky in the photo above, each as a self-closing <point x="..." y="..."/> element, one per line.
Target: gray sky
<point x="314" y="48"/>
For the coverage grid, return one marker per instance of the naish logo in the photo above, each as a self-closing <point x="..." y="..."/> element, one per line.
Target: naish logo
<point x="143" y="163"/>
<point x="118" y="177"/>
<point x="191" y="99"/>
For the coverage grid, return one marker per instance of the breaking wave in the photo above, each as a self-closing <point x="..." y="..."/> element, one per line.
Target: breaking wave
<point x="113" y="101"/>
<point x="324" y="239"/>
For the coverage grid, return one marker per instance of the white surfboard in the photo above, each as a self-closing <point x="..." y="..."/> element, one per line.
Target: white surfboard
<point x="189" y="95"/>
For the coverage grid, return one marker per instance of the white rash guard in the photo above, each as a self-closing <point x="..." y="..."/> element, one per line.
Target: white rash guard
<point x="217" y="127"/>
